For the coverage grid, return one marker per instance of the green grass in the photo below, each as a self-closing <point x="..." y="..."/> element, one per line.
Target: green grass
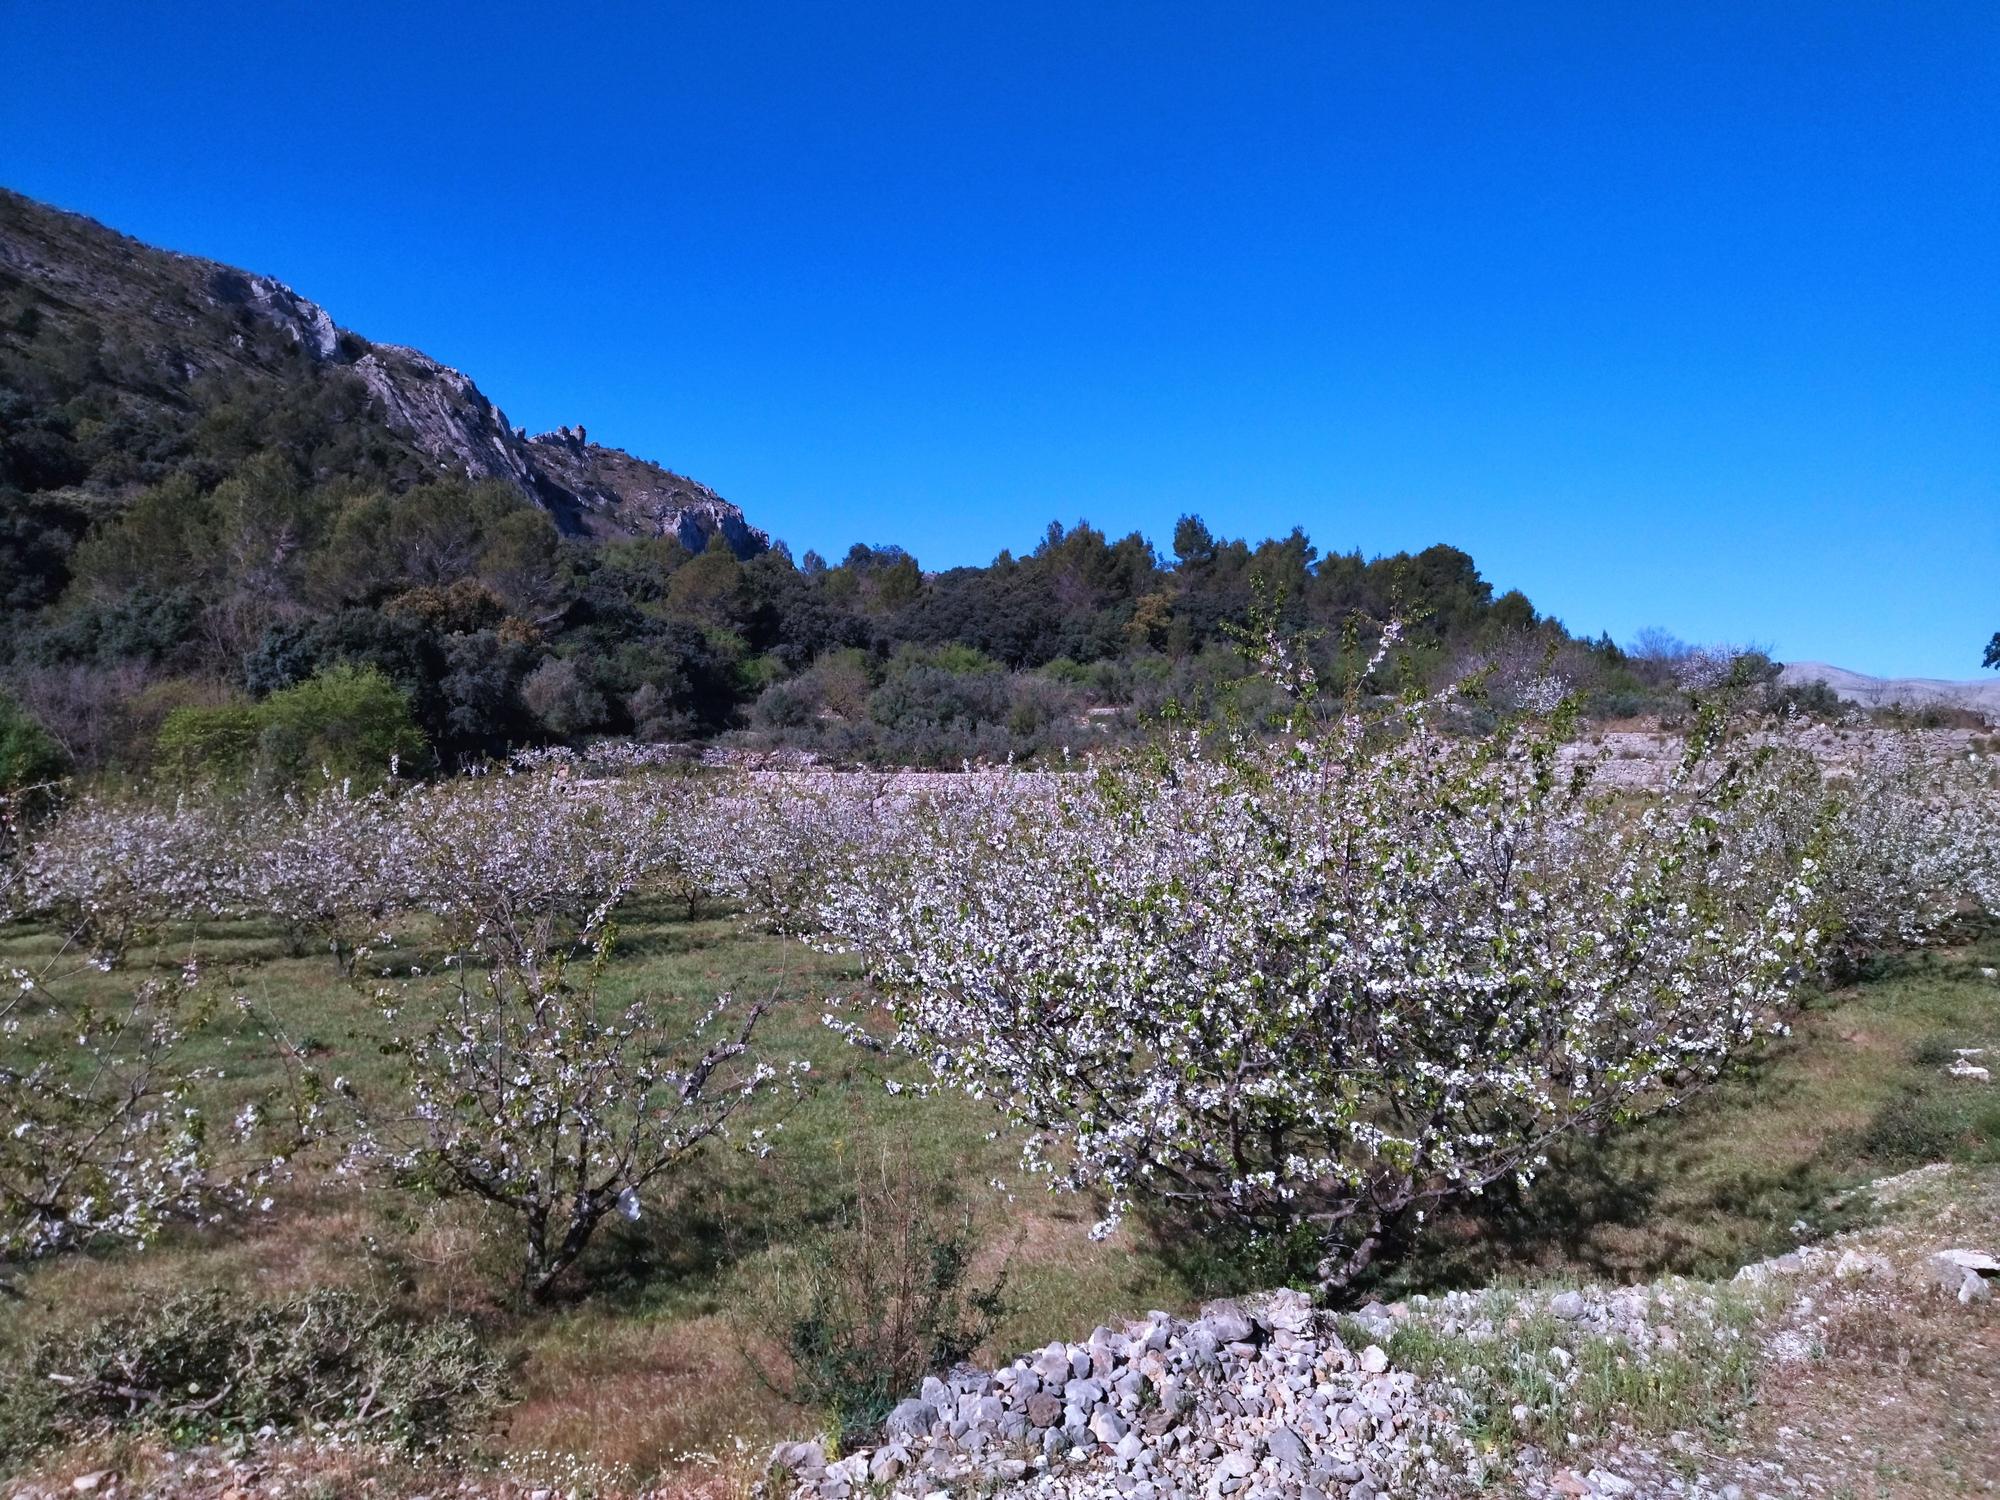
<point x="1856" y="1092"/>
<point x="659" y="1345"/>
<point x="1535" y="1380"/>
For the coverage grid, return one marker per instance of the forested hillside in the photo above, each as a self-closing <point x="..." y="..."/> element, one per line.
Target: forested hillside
<point x="236" y="539"/>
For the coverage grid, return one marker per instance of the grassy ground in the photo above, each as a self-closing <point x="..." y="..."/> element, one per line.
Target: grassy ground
<point x="664" y="1344"/>
<point x="1856" y="1092"/>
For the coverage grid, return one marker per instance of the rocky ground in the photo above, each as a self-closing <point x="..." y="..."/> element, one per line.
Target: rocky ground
<point x="1860" y="1367"/>
<point x="1864" y="1366"/>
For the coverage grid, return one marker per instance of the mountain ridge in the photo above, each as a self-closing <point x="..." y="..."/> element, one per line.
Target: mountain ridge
<point x="1885" y="692"/>
<point x="167" y="322"/>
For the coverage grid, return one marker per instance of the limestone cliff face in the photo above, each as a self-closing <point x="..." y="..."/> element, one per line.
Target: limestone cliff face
<point x="591" y="490"/>
<point x="444" y="413"/>
<point x="176" y="319"/>
<point x="618" y="494"/>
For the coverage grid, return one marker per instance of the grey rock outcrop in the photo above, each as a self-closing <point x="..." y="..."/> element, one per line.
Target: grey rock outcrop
<point x="1964" y="1274"/>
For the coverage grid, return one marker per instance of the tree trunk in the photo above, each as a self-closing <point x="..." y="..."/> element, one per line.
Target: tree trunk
<point x="545" y="1268"/>
<point x="1336" y="1276"/>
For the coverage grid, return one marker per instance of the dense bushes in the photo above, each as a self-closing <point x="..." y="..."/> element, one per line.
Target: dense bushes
<point x="347" y="723"/>
<point x="210" y="1362"/>
<point x="503" y="634"/>
<point x="936" y="708"/>
<point x="27" y="754"/>
<point x="242" y="554"/>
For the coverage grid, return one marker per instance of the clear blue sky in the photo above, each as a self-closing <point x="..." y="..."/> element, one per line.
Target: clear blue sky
<point x="1681" y="313"/>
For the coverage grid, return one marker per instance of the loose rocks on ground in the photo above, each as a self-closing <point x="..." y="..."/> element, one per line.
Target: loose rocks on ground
<point x="1259" y="1400"/>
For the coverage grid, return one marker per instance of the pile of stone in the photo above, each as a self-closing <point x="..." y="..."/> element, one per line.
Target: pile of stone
<point x="1967" y="1275"/>
<point x="1258" y="1401"/>
<point x="1265" y="1400"/>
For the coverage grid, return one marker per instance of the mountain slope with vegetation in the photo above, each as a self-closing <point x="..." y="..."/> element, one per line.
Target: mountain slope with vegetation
<point x="211" y="493"/>
<point x="127" y="365"/>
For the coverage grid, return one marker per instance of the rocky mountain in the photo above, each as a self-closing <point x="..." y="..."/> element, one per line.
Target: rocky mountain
<point x="109" y="343"/>
<point x="1981" y="697"/>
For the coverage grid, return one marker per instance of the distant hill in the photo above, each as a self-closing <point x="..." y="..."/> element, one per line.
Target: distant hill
<point x="114" y="353"/>
<point x="232" y="530"/>
<point x="1911" y="692"/>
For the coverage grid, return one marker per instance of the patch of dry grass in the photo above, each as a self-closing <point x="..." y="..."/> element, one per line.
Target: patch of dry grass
<point x="655" y="1397"/>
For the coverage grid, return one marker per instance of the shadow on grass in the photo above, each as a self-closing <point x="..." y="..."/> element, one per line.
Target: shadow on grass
<point x="1632" y="1204"/>
<point x="655" y="931"/>
<point x="684" y="1250"/>
<point x="678" y="1250"/>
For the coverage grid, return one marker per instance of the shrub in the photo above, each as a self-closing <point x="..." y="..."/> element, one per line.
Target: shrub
<point x="1916" y="844"/>
<point x="885" y="1299"/>
<point x="458" y="608"/>
<point x="562" y="698"/>
<point x="1811" y="700"/>
<point x="324" y="864"/>
<point x="1933" y="1124"/>
<point x="208" y="744"/>
<point x="517" y="863"/>
<point x="348" y="722"/>
<point x="524" y="1096"/>
<point x="27" y="754"/>
<point x="102" y="1135"/>
<point x="98" y="1139"/>
<point x="1927" y="716"/>
<point x="210" y="1362"/>
<point x="784" y="705"/>
<point x="90" y="712"/>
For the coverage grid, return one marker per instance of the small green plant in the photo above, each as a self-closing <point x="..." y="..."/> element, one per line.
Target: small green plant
<point x="1934" y="1124"/>
<point x="1938" y="1050"/>
<point x="886" y="1298"/>
<point x="204" y="1363"/>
